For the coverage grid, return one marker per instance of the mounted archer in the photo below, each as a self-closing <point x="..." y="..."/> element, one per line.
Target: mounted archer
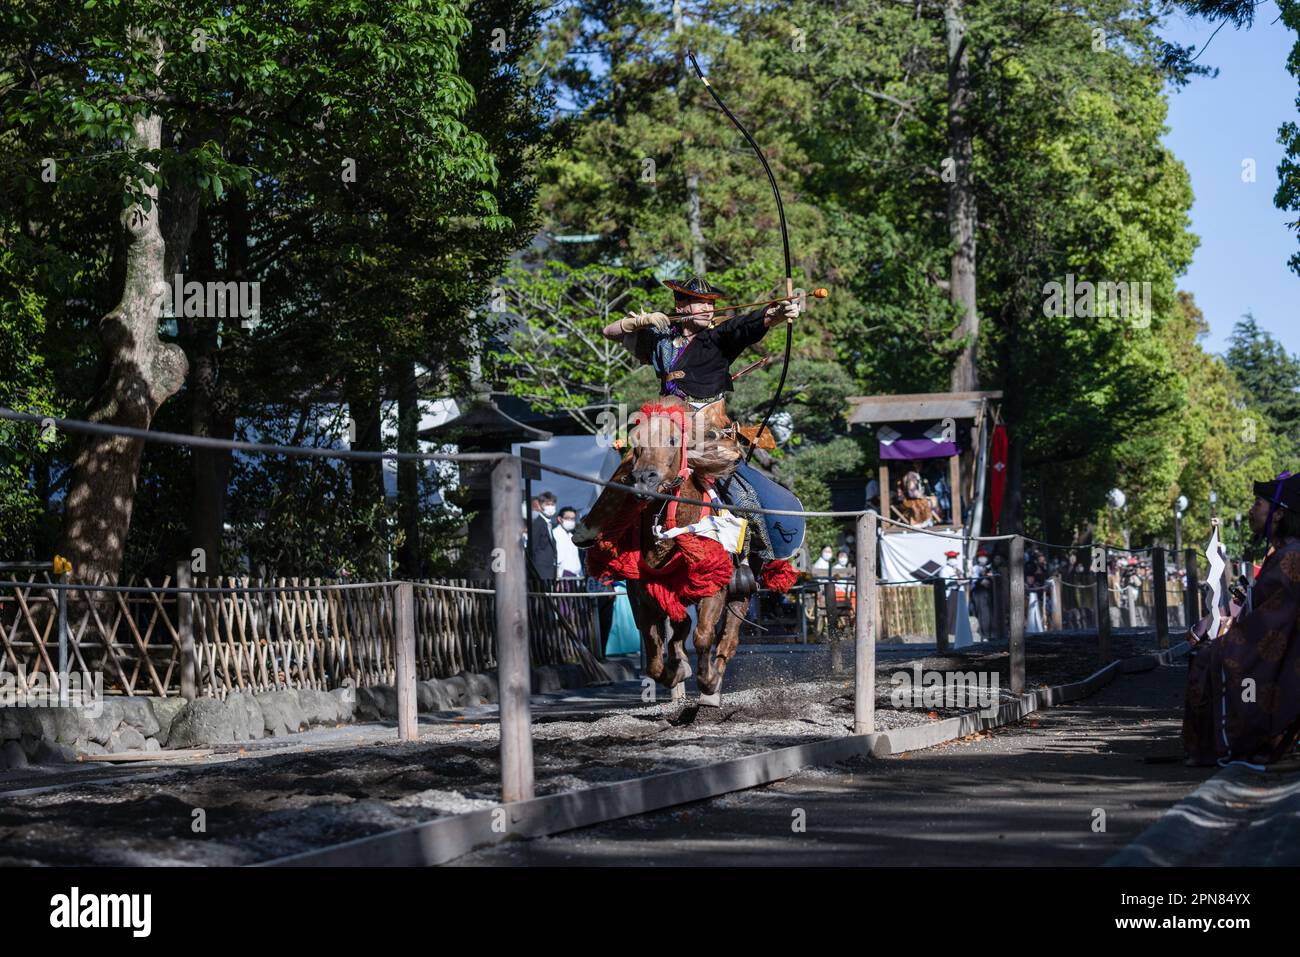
<point x="690" y="352"/>
<point x="696" y="553"/>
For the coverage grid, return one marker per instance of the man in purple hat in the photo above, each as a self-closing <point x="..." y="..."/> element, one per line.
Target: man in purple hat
<point x="1243" y="685"/>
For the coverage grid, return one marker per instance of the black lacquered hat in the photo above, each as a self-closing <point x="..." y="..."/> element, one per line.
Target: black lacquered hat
<point x="697" y="287"/>
<point x="1283" y="490"/>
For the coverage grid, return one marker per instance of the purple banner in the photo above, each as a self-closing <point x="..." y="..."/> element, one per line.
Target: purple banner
<point x="904" y="441"/>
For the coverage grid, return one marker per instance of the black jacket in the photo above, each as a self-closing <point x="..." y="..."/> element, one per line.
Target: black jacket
<point x="541" y="547"/>
<point x="706" y="362"/>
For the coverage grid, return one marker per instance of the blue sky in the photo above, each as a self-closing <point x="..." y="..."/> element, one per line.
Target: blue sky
<point x="1214" y="124"/>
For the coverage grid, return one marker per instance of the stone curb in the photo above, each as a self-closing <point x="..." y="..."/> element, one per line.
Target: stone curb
<point x="447" y="838"/>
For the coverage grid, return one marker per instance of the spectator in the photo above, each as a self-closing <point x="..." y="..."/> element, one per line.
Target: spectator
<point x="568" y="559"/>
<point x="841" y="571"/>
<point x="916" y="508"/>
<point x="822" y="567"/>
<point x="541" y="542"/>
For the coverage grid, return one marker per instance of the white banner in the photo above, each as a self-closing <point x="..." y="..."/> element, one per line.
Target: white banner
<point x="914" y="556"/>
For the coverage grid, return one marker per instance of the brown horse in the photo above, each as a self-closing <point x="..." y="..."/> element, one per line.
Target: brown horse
<point x="654" y="463"/>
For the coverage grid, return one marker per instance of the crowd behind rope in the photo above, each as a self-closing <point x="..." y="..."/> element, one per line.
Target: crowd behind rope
<point x="1130" y="582"/>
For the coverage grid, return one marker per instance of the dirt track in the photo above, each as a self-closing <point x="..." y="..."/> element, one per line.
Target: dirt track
<point x="260" y="804"/>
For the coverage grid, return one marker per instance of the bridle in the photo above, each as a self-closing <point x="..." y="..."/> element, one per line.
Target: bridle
<point x="675" y="413"/>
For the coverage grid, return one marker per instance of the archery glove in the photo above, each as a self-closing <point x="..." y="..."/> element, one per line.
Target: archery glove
<point x="785" y="310"/>
<point x="641" y="320"/>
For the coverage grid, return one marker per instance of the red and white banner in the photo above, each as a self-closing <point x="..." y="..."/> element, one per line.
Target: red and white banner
<point x="998" y="474"/>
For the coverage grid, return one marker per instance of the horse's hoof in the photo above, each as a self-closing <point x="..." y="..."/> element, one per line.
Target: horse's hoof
<point x="711" y="700"/>
<point x="677" y="693"/>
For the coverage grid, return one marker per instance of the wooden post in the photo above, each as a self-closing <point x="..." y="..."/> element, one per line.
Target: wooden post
<point x="1192" y="591"/>
<point x="1003" y="592"/>
<point x="803" y="613"/>
<point x="1016" y="597"/>
<point x="1160" y="594"/>
<point x="185" y="631"/>
<point x="513" y="676"/>
<point x="864" y="645"/>
<point x="1103" y="608"/>
<point x="1056" y="621"/>
<point x="404" y="621"/>
<point x="940" y="586"/>
<point x="954" y="481"/>
<point x="883" y="479"/>
<point x="62" y="593"/>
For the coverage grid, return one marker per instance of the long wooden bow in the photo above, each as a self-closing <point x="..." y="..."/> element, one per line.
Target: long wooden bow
<point x="785" y="243"/>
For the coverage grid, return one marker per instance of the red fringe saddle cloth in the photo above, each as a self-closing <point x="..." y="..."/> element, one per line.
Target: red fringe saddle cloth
<point x="697" y="568"/>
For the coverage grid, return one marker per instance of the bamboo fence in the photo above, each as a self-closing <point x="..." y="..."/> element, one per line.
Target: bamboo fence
<point x="259" y="635"/>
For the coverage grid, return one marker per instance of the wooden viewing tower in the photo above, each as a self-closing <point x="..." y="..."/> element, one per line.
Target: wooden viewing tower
<point x="951" y="425"/>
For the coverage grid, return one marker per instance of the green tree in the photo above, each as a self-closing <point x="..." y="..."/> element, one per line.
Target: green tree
<point x="1271" y="378"/>
<point x="27" y="386"/>
<point x="244" y="126"/>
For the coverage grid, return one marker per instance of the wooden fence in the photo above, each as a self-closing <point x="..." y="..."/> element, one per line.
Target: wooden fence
<point x="253" y="635"/>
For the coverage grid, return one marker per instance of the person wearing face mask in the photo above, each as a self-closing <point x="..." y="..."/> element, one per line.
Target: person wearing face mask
<point x="842" y="572"/>
<point x="568" y="560"/>
<point x="541" y="540"/>
<point x="822" y="567"/>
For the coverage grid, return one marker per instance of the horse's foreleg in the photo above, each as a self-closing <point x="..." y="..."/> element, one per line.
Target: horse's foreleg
<point x="649" y="621"/>
<point x="730" y="640"/>
<point x="709" y="679"/>
<point x="678" y="668"/>
<point x="735" y="617"/>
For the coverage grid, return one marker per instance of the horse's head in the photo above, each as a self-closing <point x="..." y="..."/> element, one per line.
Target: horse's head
<point x="656" y="445"/>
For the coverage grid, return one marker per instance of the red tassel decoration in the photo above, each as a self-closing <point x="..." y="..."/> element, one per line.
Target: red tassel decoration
<point x="778" y="575"/>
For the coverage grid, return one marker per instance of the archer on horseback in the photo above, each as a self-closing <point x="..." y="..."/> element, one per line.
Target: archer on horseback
<point x="691" y="353"/>
<point x="692" y="553"/>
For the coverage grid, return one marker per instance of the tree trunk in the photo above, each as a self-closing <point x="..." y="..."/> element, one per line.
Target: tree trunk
<point x="211" y="414"/>
<point x="365" y="407"/>
<point x="141" y="373"/>
<point x="698" y="263"/>
<point x="962" y="211"/>
<point x="1013" y="506"/>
